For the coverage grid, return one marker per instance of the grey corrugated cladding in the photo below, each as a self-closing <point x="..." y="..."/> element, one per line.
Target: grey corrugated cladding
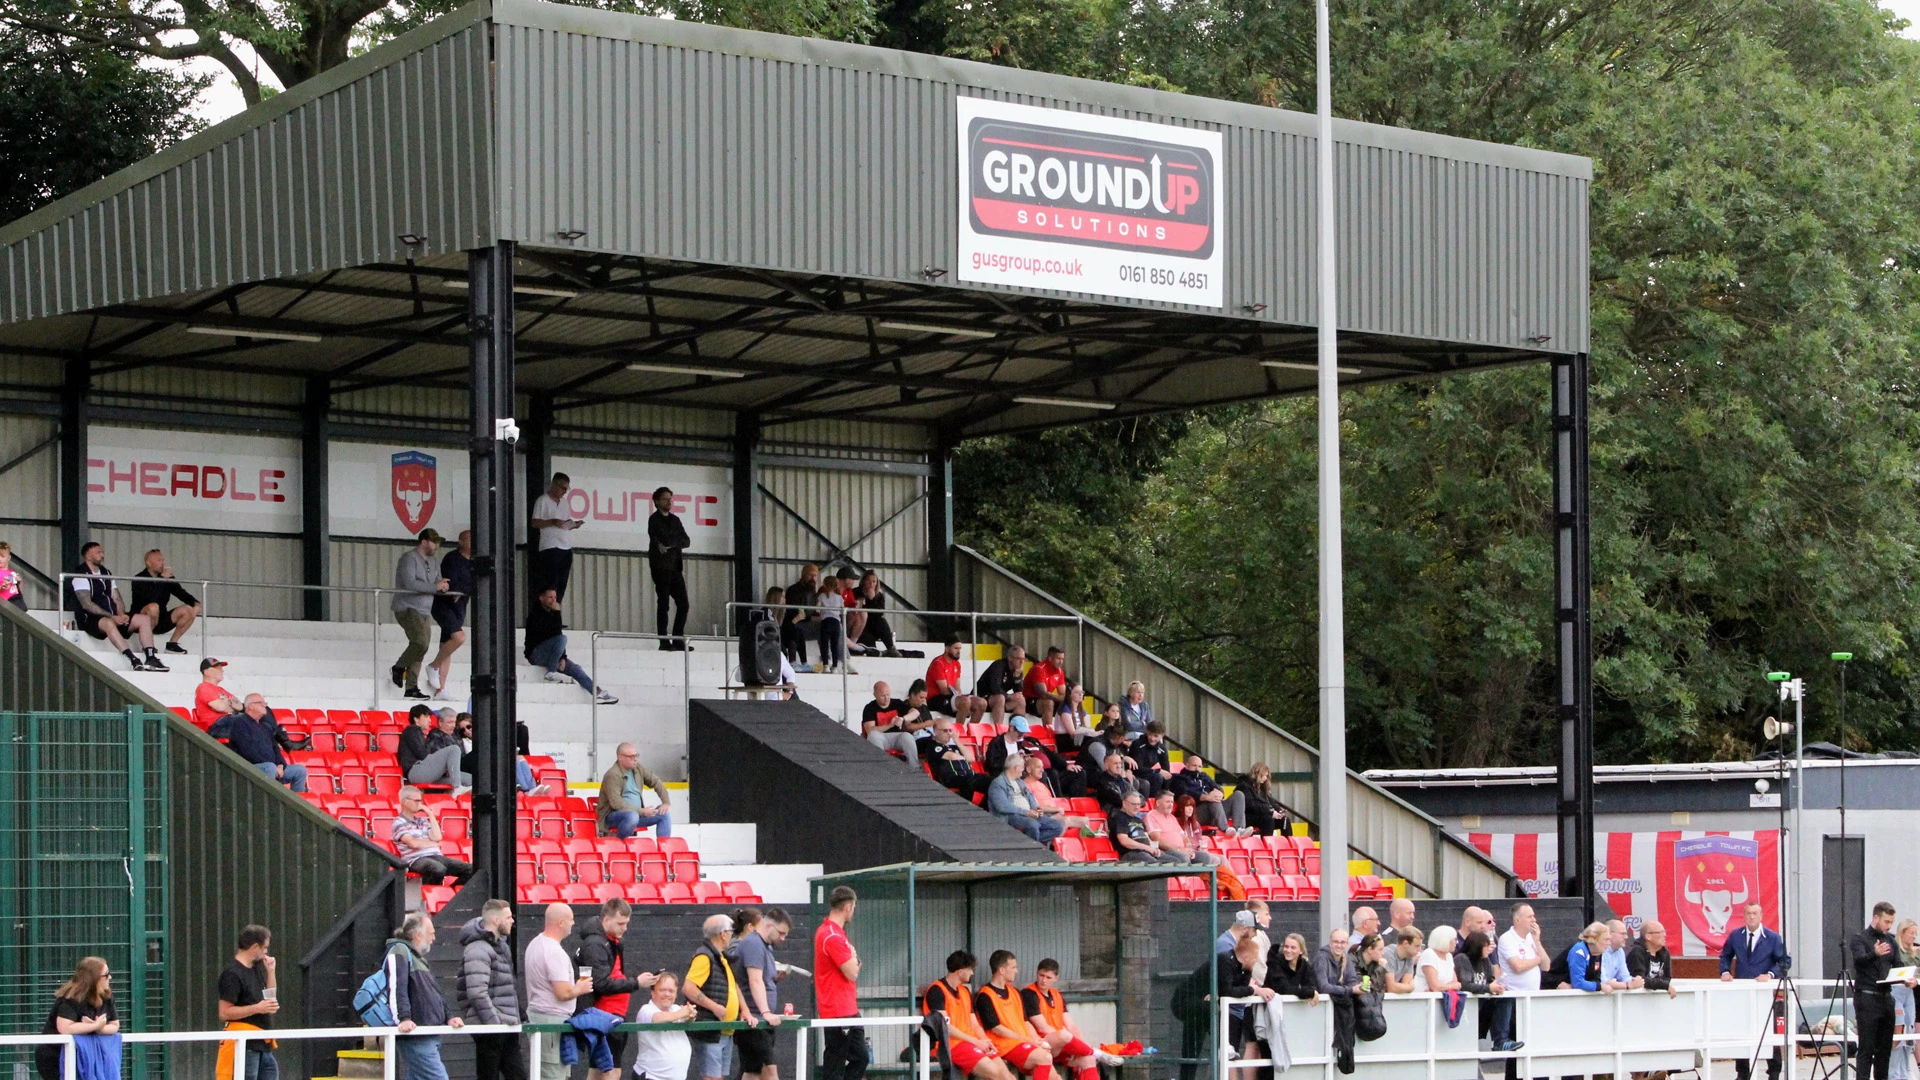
<point x="669" y="139"/>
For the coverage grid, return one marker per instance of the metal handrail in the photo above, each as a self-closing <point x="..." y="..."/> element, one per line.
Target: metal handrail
<point x="973" y="635"/>
<point x="686" y="685"/>
<point x="206" y="590"/>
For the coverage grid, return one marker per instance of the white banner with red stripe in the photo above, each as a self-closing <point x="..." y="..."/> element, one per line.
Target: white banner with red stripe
<point x="1695" y="883"/>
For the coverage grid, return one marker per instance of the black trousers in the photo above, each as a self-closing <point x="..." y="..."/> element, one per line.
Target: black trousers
<point x="436" y="869"/>
<point x="499" y="1057"/>
<point x="551" y="569"/>
<point x="845" y="1054"/>
<point x="1873" y="1012"/>
<point x="793" y="642"/>
<point x="670" y="586"/>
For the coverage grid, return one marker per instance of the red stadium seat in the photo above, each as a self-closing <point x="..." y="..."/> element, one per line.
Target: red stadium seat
<point x="653" y="869"/>
<point x="1302" y="887"/>
<point x="339" y="718"/>
<point x="1275" y="886"/>
<point x="623" y="873"/>
<point x="553" y="778"/>
<point x="708" y="892"/>
<point x="642" y="845"/>
<point x="543" y="894"/>
<point x="643" y="893"/>
<point x="1071" y="849"/>
<point x="540" y="761"/>
<point x="606" y="891"/>
<point x="590" y="871"/>
<point x="354" y="821"/>
<point x="578" y="894"/>
<point x="435" y="897"/>
<point x="736" y="890"/>
<point x="527" y="870"/>
<point x="376" y="718"/>
<point x="671" y="844"/>
<point x="455" y="826"/>
<point x="550" y="824"/>
<point x="312" y="717"/>
<point x="183" y="713"/>
<point x="1100" y="850"/>
<point x="676" y="893"/>
<point x="685" y="866"/>
<point x="582" y="824"/>
<point x="555" y="871"/>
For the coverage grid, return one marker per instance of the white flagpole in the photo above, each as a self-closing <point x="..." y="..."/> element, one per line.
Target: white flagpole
<point x="1333" y="652"/>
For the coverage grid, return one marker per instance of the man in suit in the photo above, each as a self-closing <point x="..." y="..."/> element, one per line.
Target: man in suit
<point x="1757" y="953"/>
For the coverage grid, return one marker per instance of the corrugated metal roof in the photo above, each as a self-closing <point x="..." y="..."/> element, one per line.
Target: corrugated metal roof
<point x="755" y="211"/>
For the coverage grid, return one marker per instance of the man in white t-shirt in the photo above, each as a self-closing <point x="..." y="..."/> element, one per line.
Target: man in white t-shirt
<point x="1521" y="961"/>
<point x="553" y="561"/>
<point x="552" y="985"/>
<point x="662" y="1055"/>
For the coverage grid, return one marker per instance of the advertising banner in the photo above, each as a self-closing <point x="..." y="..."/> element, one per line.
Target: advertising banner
<point x="615" y="497"/>
<point x="153" y="476"/>
<point x="1694" y="883"/>
<point x="1065" y="200"/>
<point x="392" y="491"/>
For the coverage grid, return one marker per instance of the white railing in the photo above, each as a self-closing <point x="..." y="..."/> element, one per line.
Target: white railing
<point x="1564" y="1032"/>
<point x="390" y="1050"/>
<point x="686" y="685"/>
<point x="381" y="664"/>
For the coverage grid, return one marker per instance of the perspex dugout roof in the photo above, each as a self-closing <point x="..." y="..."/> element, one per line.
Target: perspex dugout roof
<point x="725" y="219"/>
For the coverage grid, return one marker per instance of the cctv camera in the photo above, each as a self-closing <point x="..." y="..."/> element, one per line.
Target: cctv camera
<point x="1761" y="785"/>
<point x="506" y="430"/>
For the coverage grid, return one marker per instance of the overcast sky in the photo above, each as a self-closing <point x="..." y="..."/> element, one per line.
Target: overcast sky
<point x="222" y="99"/>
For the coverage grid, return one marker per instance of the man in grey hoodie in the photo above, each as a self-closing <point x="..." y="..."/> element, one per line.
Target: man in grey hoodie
<point x="486" y="991"/>
<point x="416" y="580"/>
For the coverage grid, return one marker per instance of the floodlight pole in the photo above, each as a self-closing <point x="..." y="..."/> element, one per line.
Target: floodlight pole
<point x="1333" y="651"/>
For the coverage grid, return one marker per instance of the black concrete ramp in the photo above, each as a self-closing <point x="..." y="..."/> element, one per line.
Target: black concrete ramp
<point x="820" y="793"/>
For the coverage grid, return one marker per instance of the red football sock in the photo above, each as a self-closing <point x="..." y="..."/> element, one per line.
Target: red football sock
<point x="1043" y="1072"/>
<point x="1091" y="1072"/>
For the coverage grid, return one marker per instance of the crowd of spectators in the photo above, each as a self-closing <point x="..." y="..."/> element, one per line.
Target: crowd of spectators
<point x="845" y="607"/>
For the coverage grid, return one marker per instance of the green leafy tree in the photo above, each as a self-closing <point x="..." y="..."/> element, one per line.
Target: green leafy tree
<point x="70" y="116"/>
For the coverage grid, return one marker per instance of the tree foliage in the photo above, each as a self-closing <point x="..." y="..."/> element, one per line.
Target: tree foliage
<point x="69" y="116"/>
<point x="1753" y="412"/>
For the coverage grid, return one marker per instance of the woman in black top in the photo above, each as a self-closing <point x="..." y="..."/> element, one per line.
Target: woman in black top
<point x="1290" y="970"/>
<point x="873" y="600"/>
<point x="82" y="1006"/>
<point x="1264" y="814"/>
<point x="1473" y="964"/>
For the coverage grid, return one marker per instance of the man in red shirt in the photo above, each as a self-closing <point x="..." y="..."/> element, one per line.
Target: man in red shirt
<point x="1046" y="688"/>
<point x="211" y="701"/>
<point x="836" y="972"/>
<point x="943" y="687"/>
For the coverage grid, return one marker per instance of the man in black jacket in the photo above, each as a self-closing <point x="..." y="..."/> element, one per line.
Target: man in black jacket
<point x="1193" y="1000"/>
<point x="1152" y="764"/>
<point x="614" y="981"/>
<point x="1649" y="959"/>
<point x="1872" y="951"/>
<point x="952" y="764"/>
<point x="667" y="539"/>
<point x="546" y="646"/>
<point x="416" y="996"/>
<point x="253" y="734"/>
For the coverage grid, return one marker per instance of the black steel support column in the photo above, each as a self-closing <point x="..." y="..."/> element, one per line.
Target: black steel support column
<point x="537" y="448"/>
<point x="490" y="326"/>
<point x="73" y="463"/>
<point x="940" y="584"/>
<point x="746" y="517"/>
<point x="316" y="539"/>
<point x="1573" y="626"/>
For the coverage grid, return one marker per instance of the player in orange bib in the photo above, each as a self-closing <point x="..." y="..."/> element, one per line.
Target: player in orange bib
<point x="1000" y="1009"/>
<point x="1047" y="1013"/>
<point x="972" y="1052"/>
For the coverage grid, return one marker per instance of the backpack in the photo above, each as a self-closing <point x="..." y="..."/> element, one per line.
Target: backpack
<point x="374" y="1001"/>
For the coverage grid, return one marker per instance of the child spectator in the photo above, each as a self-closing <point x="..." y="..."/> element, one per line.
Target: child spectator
<point x="832" y="604"/>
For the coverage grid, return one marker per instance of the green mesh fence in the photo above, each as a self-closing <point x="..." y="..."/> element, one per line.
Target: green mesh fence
<point x="82" y="868"/>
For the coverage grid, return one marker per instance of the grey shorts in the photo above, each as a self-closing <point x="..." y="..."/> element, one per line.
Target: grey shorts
<point x="713" y="1058"/>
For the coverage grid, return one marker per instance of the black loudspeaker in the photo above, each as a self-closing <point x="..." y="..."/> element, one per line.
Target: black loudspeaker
<point x="760" y="654"/>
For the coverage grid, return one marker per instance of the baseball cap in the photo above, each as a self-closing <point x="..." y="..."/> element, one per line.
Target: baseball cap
<point x="847" y="574"/>
<point x="210" y="662"/>
<point x="1246" y="919"/>
<point x="429" y="534"/>
<point x="1020" y="724"/>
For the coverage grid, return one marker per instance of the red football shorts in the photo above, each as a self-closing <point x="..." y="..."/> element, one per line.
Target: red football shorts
<point x="1018" y="1056"/>
<point x="965" y="1056"/>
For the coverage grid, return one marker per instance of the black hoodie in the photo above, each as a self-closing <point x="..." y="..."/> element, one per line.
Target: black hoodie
<point x="596" y="952"/>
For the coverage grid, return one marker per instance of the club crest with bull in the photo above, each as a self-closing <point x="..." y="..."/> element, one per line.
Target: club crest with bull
<point x="1717" y="876"/>
<point x="415" y="488"/>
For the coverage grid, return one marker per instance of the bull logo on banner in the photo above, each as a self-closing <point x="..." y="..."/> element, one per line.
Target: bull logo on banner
<point x="415" y="487"/>
<point x="1717" y="876"/>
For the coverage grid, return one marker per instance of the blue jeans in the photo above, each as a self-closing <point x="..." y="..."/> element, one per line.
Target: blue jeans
<point x="261" y="1064"/>
<point x="421" y="1055"/>
<point x="1044" y="829"/>
<point x="552" y="655"/>
<point x="522" y="774"/>
<point x="294" y="776"/>
<point x="624" y="823"/>
<point x="1499" y="1012"/>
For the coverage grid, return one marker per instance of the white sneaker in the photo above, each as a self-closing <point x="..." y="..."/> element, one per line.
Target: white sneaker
<point x="851" y="670"/>
<point x="431" y="676"/>
<point x="555" y="676"/>
<point x="461" y="789"/>
<point x="604" y="698"/>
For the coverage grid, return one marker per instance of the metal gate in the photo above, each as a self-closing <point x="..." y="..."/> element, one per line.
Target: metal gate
<point x="83" y="867"/>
